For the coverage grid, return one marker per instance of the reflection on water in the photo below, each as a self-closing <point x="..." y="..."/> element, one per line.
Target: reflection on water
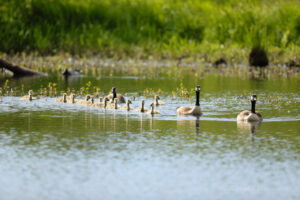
<point x="248" y="127"/>
<point x="52" y="150"/>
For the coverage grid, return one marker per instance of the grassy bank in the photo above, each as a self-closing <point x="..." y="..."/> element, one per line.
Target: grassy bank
<point x="146" y="28"/>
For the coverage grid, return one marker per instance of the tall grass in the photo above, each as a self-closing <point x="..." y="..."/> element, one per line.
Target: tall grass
<point x="172" y="27"/>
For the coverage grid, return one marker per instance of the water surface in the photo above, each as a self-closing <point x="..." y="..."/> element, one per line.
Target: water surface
<point x="52" y="150"/>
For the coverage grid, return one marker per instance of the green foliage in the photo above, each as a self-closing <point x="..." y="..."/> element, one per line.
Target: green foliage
<point x="122" y="26"/>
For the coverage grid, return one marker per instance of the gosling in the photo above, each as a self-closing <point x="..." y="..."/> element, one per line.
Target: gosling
<point x="252" y="116"/>
<point x="127" y="107"/>
<point x="158" y="102"/>
<point x="100" y="103"/>
<point x="152" y="111"/>
<point x="114" y="95"/>
<point x="142" y="109"/>
<point x="71" y="99"/>
<point x="192" y="110"/>
<point x="113" y="105"/>
<point x="85" y="101"/>
<point x="29" y="97"/>
<point x="62" y="99"/>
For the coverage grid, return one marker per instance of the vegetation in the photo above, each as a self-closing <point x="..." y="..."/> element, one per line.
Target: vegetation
<point x="145" y="28"/>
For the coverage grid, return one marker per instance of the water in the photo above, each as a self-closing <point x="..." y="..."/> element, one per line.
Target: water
<point x="52" y="150"/>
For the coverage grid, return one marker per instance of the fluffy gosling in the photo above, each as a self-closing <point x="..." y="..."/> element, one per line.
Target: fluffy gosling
<point x="62" y="99"/>
<point x="29" y="97"/>
<point x="153" y="111"/>
<point x="127" y="107"/>
<point x="157" y="101"/>
<point x="142" y="108"/>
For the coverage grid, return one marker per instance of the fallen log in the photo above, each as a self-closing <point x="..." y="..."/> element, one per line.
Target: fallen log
<point x="18" y="70"/>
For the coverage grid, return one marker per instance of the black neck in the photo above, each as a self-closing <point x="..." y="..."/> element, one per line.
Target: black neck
<point x="253" y="106"/>
<point x="114" y="94"/>
<point x="197" y="98"/>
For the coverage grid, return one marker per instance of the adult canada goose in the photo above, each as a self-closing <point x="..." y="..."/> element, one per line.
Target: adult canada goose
<point x="192" y="110"/>
<point x="29" y="97"/>
<point x="252" y="116"/>
<point x="62" y="99"/>
<point x="157" y="101"/>
<point x="127" y="107"/>
<point x="100" y="103"/>
<point x="71" y="72"/>
<point x="152" y="111"/>
<point x="114" y="95"/>
<point x="85" y="101"/>
<point x="142" y="109"/>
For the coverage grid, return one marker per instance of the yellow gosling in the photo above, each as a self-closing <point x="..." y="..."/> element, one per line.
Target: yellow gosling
<point x="252" y="116"/>
<point x="85" y="101"/>
<point x="157" y="101"/>
<point x="71" y="99"/>
<point x="153" y="111"/>
<point x="62" y="99"/>
<point x="142" y="108"/>
<point x="113" y="105"/>
<point x="127" y="107"/>
<point x="191" y="110"/>
<point x="105" y="102"/>
<point x="100" y="103"/>
<point x="28" y="97"/>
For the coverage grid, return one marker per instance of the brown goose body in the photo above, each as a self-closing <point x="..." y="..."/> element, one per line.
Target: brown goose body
<point x="120" y="98"/>
<point x="191" y="110"/>
<point x="250" y="116"/>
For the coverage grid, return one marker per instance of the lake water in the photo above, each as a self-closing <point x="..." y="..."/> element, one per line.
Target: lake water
<point x="51" y="150"/>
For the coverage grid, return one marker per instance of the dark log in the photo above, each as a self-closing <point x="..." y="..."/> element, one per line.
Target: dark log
<point x="17" y="70"/>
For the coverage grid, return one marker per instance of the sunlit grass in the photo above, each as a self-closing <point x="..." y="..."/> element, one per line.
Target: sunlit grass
<point x="141" y="28"/>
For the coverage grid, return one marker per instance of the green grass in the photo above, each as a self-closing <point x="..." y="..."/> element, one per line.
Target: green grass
<point x="143" y="28"/>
